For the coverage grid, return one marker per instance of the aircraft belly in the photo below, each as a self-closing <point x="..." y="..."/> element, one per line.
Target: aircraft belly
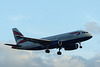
<point x="51" y="46"/>
<point x="44" y="47"/>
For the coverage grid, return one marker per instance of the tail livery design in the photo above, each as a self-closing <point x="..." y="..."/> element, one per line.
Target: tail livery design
<point x="18" y="39"/>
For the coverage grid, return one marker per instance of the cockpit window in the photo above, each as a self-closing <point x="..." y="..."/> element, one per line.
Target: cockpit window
<point x="84" y="32"/>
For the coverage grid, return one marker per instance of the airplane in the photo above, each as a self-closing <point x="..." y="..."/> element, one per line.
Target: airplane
<point x="68" y="41"/>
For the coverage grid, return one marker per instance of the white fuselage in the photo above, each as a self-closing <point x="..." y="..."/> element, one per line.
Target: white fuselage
<point x="62" y="37"/>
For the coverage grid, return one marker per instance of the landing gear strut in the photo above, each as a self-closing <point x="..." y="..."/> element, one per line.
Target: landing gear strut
<point x="80" y="44"/>
<point x="59" y="53"/>
<point x="47" y="50"/>
<point x="59" y="43"/>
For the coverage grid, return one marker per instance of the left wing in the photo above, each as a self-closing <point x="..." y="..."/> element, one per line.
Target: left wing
<point x="40" y="41"/>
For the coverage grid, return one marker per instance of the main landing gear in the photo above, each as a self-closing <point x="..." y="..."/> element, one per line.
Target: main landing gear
<point x="59" y="53"/>
<point x="47" y="50"/>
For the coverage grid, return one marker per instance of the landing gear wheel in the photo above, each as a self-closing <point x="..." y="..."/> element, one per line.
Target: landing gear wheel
<point x="47" y="51"/>
<point x="59" y="53"/>
<point x="80" y="46"/>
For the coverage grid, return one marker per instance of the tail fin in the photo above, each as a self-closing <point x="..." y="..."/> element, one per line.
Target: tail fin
<point x="17" y="33"/>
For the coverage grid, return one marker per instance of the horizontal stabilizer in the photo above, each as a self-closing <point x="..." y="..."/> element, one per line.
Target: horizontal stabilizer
<point x="10" y="44"/>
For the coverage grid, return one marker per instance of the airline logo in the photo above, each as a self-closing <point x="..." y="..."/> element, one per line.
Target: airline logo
<point x="17" y="38"/>
<point x="17" y="33"/>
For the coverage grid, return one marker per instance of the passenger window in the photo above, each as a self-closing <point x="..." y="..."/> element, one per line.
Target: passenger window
<point x="84" y="32"/>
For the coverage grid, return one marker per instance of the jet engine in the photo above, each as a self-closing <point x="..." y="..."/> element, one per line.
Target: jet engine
<point x="71" y="46"/>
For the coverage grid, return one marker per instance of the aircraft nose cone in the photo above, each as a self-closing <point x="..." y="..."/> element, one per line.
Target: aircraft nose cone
<point x="90" y="35"/>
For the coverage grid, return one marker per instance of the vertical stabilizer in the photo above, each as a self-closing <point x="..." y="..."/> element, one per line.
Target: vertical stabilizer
<point x="17" y="35"/>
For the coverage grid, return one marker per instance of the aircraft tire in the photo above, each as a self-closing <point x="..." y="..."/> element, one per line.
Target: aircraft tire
<point x="80" y="46"/>
<point x="59" y="53"/>
<point x="47" y="51"/>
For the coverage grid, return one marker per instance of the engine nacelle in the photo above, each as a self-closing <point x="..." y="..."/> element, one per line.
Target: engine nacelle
<point x="71" y="47"/>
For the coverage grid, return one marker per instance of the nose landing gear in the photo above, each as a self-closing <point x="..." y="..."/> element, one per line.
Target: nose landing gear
<point x="80" y="44"/>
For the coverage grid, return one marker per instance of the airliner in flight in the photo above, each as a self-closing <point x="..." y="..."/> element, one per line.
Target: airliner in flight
<point x="68" y="41"/>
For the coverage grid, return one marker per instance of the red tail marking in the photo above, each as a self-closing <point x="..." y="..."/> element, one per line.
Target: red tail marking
<point x="22" y="41"/>
<point x="17" y="33"/>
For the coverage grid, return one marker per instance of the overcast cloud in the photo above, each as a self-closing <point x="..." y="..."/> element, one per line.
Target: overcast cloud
<point x="17" y="58"/>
